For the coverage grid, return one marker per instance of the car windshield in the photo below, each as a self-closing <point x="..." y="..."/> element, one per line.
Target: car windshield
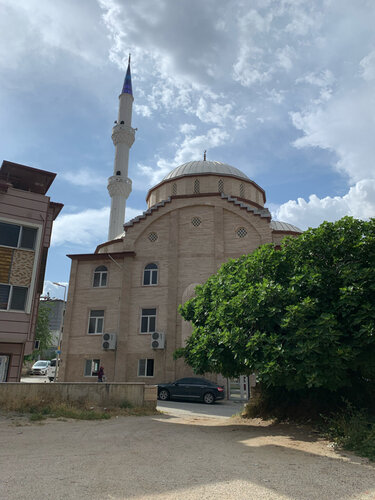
<point x="41" y="363"/>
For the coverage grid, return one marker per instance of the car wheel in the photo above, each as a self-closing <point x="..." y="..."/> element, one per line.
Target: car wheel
<point x="163" y="395"/>
<point x="209" y="398"/>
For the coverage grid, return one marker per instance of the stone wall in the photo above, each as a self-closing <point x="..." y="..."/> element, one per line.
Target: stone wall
<point x="113" y="394"/>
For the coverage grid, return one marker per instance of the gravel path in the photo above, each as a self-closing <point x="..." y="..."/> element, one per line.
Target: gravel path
<point x="174" y="457"/>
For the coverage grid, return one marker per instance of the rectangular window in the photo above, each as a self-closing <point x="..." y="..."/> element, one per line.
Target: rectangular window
<point x="96" y="321"/>
<point x="145" y="368"/>
<point x="4" y="296"/>
<point x="148" y="321"/>
<point x="18" y="298"/>
<point x="13" y="297"/>
<point x="13" y="235"/>
<point x="92" y="367"/>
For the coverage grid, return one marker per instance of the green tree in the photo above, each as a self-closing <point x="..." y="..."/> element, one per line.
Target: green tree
<point x="300" y="317"/>
<point x="42" y="331"/>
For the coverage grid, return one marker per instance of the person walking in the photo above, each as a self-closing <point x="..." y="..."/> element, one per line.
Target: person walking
<point x="100" y="374"/>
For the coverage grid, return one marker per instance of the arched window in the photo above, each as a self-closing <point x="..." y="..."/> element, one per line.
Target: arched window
<point x="196" y="186"/>
<point x="100" y="276"/>
<point x="150" y="274"/>
<point x="221" y="186"/>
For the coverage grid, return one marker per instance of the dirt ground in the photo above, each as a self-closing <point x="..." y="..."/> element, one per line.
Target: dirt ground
<point x="175" y="457"/>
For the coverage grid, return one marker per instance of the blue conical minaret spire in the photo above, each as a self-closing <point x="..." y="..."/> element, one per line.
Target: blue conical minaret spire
<point x="127" y="87"/>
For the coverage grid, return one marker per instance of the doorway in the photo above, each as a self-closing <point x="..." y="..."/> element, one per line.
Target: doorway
<point x="238" y="388"/>
<point x="4" y="364"/>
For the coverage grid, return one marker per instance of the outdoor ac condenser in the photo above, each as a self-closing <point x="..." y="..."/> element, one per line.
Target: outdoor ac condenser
<point x="157" y="340"/>
<point x="109" y="341"/>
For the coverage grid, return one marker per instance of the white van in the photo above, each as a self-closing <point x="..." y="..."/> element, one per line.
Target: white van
<point x="51" y="371"/>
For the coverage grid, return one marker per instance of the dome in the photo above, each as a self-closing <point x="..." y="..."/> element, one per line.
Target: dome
<point x="205" y="167"/>
<point x="284" y="226"/>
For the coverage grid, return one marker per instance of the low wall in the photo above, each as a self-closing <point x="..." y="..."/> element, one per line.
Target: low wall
<point x="102" y="394"/>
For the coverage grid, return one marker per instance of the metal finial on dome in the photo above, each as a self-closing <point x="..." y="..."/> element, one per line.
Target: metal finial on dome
<point x="127" y="87"/>
<point x="204" y="155"/>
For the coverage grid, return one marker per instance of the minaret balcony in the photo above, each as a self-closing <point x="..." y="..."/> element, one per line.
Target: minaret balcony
<point x="119" y="186"/>
<point x="123" y="134"/>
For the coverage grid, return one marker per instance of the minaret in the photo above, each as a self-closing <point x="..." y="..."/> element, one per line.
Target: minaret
<point x="119" y="185"/>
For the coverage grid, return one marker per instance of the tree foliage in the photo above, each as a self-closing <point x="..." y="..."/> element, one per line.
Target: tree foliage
<point x="42" y="330"/>
<point x="300" y="317"/>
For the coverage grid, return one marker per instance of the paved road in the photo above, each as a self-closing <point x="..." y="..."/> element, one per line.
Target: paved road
<point x="35" y="379"/>
<point x="222" y="409"/>
<point x="173" y="456"/>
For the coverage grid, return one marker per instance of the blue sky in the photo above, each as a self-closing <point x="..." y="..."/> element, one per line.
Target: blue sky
<point x="284" y="90"/>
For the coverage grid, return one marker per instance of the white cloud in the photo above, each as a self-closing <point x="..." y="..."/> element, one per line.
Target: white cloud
<point x="343" y="125"/>
<point x="187" y="128"/>
<point x="47" y="27"/>
<point x="86" y="228"/>
<point x="359" y="202"/>
<point x="191" y="149"/>
<point x="55" y="291"/>
<point x="85" y="177"/>
<point x="324" y="78"/>
<point x="368" y="66"/>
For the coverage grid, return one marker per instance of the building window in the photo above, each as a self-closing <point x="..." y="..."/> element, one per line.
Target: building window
<point x="145" y="368"/>
<point x="148" y="321"/>
<point x="100" y="276"/>
<point x="221" y="186"/>
<point x="13" y="297"/>
<point x="241" y="232"/>
<point x="92" y="367"/>
<point x="96" y="321"/>
<point x="242" y="191"/>
<point x="13" y="235"/>
<point x="196" y="221"/>
<point x="174" y="189"/>
<point x="152" y="237"/>
<point x="150" y="275"/>
<point x="196" y="186"/>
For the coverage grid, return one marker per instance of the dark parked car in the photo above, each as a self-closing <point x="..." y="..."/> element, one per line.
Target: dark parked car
<point x="192" y="389"/>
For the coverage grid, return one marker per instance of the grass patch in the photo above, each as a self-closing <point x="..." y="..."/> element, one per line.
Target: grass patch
<point x="63" y="411"/>
<point x="349" y="426"/>
<point x="353" y="430"/>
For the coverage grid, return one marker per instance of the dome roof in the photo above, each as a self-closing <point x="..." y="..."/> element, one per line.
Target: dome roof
<point x="284" y="226"/>
<point x="205" y="167"/>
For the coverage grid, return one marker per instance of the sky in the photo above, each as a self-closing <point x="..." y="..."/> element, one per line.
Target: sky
<point x="284" y="90"/>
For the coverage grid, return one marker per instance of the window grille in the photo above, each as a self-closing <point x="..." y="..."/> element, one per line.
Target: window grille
<point x="196" y="221"/>
<point x="174" y="189"/>
<point x="196" y="186"/>
<point x="150" y="274"/>
<point x="152" y="237"/>
<point x="241" y="232"/>
<point x="221" y="186"/>
<point x="242" y="191"/>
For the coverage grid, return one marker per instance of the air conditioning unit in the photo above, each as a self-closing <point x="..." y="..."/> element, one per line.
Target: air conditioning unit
<point x="109" y="341"/>
<point x="157" y="340"/>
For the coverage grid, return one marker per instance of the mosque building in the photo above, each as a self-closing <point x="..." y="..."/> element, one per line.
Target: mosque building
<point x="122" y="308"/>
